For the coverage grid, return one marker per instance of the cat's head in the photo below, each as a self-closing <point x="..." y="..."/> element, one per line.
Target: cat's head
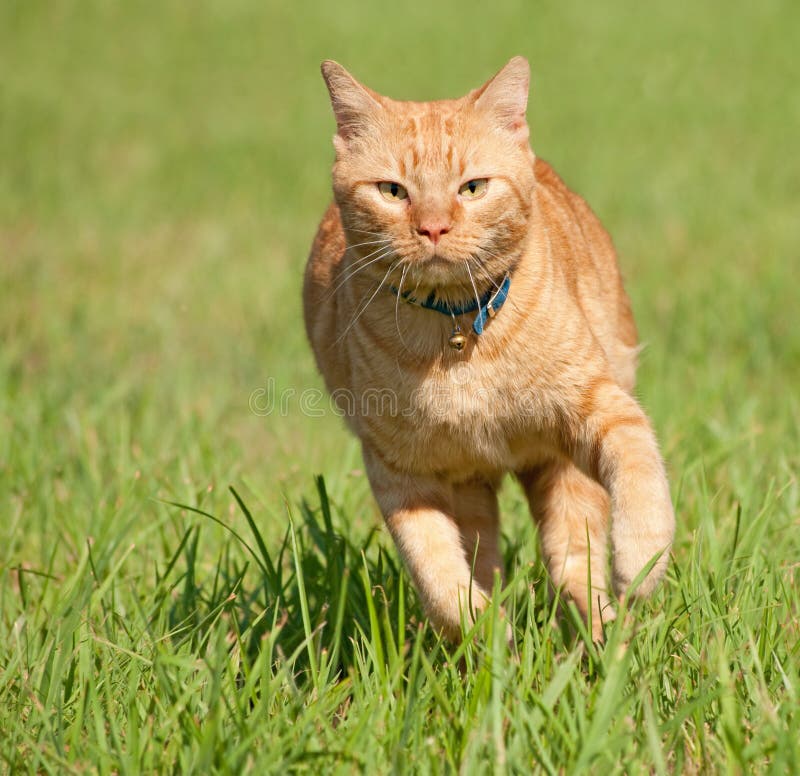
<point x="441" y="186"/>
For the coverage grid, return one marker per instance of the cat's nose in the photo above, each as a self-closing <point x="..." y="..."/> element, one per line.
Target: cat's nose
<point x="433" y="230"/>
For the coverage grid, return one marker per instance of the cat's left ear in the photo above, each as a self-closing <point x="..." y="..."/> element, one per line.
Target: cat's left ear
<point x="506" y="97"/>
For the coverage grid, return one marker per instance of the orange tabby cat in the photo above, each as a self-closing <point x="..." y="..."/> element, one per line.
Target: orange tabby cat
<point x="466" y="310"/>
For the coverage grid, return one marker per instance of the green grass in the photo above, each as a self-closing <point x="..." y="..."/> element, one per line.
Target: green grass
<point x="162" y="169"/>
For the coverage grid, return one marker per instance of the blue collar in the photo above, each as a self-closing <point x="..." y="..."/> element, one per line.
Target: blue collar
<point x="490" y="304"/>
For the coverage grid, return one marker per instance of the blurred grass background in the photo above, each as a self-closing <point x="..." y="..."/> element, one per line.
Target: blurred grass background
<point x="162" y="170"/>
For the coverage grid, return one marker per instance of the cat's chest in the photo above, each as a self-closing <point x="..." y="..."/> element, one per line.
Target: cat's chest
<point x="465" y="415"/>
<point x="465" y="394"/>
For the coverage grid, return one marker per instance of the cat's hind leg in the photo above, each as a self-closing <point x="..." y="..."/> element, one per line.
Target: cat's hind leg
<point x="572" y="514"/>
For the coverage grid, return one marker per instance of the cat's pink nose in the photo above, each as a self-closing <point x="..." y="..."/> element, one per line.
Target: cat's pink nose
<point x="433" y="230"/>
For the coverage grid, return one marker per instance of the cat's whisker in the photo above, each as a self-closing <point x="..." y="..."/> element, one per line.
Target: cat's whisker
<point x="488" y="276"/>
<point x="480" y="263"/>
<point x="489" y="253"/>
<point x="369" y="301"/>
<point x="350" y="273"/>
<point x="367" y="231"/>
<point x="359" y="266"/>
<point x="363" y="308"/>
<point x="486" y="250"/>
<point x="385" y="241"/>
<point x="474" y="287"/>
<point x="356" y="262"/>
<point x="397" y="305"/>
<point x="482" y="269"/>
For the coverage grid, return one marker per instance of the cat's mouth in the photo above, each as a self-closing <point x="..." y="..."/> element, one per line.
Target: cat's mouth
<point x="438" y="269"/>
<point x="440" y="256"/>
<point x="444" y="274"/>
<point x="437" y="260"/>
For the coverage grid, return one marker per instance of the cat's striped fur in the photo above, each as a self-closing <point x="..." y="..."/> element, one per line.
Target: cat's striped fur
<point x="544" y="393"/>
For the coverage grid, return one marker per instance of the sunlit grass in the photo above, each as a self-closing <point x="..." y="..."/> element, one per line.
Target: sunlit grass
<point x="161" y="174"/>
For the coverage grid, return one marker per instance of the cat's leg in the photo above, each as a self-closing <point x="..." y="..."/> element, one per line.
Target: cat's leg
<point x="571" y="513"/>
<point x="478" y="520"/>
<point x="420" y="515"/>
<point x="615" y="444"/>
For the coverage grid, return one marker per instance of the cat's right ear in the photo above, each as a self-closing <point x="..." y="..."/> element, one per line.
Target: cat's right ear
<point x="506" y="96"/>
<point x="353" y="104"/>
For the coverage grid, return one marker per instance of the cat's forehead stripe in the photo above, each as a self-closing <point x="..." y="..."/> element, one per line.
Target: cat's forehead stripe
<point x="416" y="131"/>
<point x="410" y="126"/>
<point x="416" y="123"/>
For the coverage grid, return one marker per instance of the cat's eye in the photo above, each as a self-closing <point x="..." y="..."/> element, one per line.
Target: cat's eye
<point x="474" y="188"/>
<point x="392" y="191"/>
